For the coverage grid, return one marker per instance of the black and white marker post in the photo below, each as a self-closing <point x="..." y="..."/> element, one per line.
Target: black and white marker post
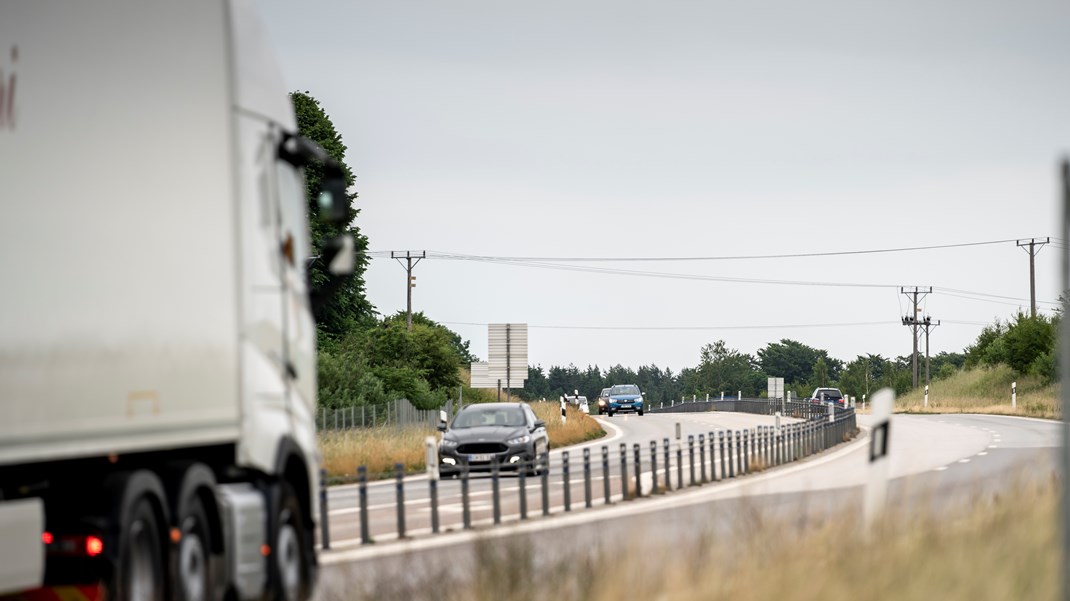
<point x="432" y="479"/>
<point x="877" y="485"/>
<point x="564" y="419"/>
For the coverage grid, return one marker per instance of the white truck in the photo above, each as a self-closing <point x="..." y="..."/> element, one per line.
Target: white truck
<point x="157" y="338"/>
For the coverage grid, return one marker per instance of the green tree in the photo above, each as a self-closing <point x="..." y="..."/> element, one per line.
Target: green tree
<point x="349" y="306"/>
<point x="794" y="361"/>
<point x="723" y="369"/>
<point x="1028" y="339"/>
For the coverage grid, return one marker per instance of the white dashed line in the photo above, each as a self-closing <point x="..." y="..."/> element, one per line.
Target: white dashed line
<point x="982" y="453"/>
<point x="964" y="460"/>
<point x="940" y="469"/>
<point x="993" y="446"/>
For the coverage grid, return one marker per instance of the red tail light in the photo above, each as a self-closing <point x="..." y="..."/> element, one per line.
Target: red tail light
<point x="93" y="546"/>
<point x="46" y="538"/>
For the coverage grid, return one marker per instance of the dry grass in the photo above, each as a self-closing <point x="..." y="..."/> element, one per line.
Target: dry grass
<point x="380" y="448"/>
<point x="985" y="390"/>
<point x="578" y="427"/>
<point x="995" y="550"/>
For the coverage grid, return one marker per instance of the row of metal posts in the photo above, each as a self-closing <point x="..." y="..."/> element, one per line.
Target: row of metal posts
<point x="740" y="453"/>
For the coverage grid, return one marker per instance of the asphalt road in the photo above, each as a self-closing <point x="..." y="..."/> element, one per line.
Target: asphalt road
<point x="628" y="430"/>
<point x="937" y="460"/>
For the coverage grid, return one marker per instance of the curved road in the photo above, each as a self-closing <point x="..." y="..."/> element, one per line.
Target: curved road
<point x="939" y="460"/>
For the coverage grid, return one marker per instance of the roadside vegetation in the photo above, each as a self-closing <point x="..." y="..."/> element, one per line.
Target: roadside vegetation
<point x="986" y="390"/>
<point x="380" y="448"/>
<point x="994" y="550"/>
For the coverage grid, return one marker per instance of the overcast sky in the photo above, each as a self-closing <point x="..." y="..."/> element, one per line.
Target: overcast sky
<point x="583" y="129"/>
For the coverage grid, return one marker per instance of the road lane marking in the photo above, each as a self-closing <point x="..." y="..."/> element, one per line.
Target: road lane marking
<point x="964" y="460"/>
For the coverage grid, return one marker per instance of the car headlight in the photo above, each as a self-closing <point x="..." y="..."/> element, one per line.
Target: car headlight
<point x="639" y="400"/>
<point x="519" y="439"/>
<point x="602" y="402"/>
<point x="449" y="443"/>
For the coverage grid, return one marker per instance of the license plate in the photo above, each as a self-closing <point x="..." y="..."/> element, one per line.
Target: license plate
<point x="626" y="405"/>
<point x="480" y="457"/>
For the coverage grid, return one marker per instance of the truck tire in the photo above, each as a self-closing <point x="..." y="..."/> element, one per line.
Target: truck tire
<point x="288" y="545"/>
<point x="193" y="569"/>
<point x="141" y="568"/>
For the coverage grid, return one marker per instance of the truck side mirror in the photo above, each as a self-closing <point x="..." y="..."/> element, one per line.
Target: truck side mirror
<point x="333" y="202"/>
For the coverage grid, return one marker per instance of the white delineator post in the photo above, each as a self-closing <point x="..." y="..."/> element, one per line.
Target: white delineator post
<point x="564" y="419"/>
<point x="926" y="396"/>
<point x="863" y="402"/>
<point x="432" y="457"/>
<point x="1014" y="396"/>
<point x="877" y="483"/>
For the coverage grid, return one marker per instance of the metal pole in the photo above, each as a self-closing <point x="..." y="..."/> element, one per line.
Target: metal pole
<point x="720" y="443"/>
<point x="654" y="467"/>
<point x="522" y="477"/>
<point x="362" y="490"/>
<point x="544" y="477"/>
<point x="1064" y="368"/>
<point x="668" y="471"/>
<point x="564" y="479"/>
<point x="691" y="456"/>
<point x="325" y="531"/>
<point x="702" y="456"/>
<point x="587" y="477"/>
<point x="605" y="473"/>
<point x="638" y="469"/>
<point x="433" y="485"/>
<point x="624" y="471"/>
<point x="466" y="508"/>
<point x="495" y="491"/>
<point x="399" y="470"/>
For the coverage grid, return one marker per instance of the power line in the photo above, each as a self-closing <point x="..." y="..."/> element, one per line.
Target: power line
<point x="498" y="258"/>
<point x="685" y="328"/>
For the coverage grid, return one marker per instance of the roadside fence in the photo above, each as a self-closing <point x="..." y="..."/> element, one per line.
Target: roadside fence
<point x="396" y="413"/>
<point x="699" y="460"/>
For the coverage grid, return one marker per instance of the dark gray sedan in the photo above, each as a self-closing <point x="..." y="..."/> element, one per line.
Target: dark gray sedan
<point x="485" y="433"/>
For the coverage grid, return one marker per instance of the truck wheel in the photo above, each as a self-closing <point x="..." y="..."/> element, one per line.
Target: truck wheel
<point x="141" y="574"/>
<point x="288" y="547"/>
<point x="194" y="574"/>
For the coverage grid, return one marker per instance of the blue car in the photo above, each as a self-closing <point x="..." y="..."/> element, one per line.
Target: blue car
<point x="623" y="398"/>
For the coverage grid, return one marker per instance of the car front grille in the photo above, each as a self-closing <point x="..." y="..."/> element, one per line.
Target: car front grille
<point x="473" y="448"/>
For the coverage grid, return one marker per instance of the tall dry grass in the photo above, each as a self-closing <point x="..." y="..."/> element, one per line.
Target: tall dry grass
<point x="995" y="550"/>
<point x="985" y="390"/>
<point x="380" y="448"/>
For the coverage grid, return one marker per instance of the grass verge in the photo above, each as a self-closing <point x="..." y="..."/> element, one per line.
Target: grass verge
<point x="985" y="390"/>
<point x="991" y="550"/>
<point x="380" y="448"/>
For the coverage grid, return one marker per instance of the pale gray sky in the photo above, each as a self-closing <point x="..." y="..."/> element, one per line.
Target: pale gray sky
<point x="665" y="129"/>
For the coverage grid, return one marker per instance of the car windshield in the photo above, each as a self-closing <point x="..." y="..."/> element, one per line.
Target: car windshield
<point x="830" y="393"/>
<point x="624" y="389"/>
<point x="479" y="416"/>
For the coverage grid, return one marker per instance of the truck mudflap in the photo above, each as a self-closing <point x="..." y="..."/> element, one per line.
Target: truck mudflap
<point x="88" y="592"/>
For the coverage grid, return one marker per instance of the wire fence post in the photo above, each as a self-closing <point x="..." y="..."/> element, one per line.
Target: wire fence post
<point x="702" y="456"/>
<point x="638" y="470"/>
<point x="691" y="456"/>
<point x="399" y="470"/>
<point x="624" y="471"/>
<point x="654" y="467"/>
<point x="544" y="479"/>
<point x="668" y="468"/>
<point x="466" y="508"/>
<point x="564" y="480"/>
<point x="522" y="477"/>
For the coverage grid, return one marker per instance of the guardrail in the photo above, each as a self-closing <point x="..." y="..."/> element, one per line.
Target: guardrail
<point x="710" y="458"/>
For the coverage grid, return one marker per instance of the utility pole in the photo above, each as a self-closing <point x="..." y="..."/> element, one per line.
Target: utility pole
<point x="928" y="324"/>
<point x="1032" y="247"/>
<point x="915" y="294"/>
<point x="410" y="280"/>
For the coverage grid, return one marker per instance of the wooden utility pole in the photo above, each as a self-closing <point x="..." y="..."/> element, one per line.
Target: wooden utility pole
<point x="928" y="324"/>
<point x="1033" y="246"/>
<point x="915" y="294"/>
<point x="410" y="280"/>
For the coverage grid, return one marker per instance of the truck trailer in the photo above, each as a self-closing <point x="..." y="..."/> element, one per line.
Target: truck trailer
<point x="157" y="333"/>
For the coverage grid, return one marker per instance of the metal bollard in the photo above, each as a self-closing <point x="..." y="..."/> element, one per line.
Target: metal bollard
<point x="724" y="464"/>
<point x="679" y="465"/>
<point x="466" y="507"/>
<point x="668" y="470"/>
<point x="747" y="450"/>
<point x="739" y="453"/>
<point x="638" y="470"/>
<point x="587" y="478"/>
<point x="702" y="457"/>
<point x="495" y="490"/>
<point x="399" y="470"/>
<point x="623" y="471"/>
<point x="564" y="480"/>
<point x="433" y="484"/>
<point x="691" y="456"/>
<point x="325" y="531"/>
<point x="605" y="473"/>
<point x="654" y="467"/>
<point x="731" y="456"/>
<point x="362" y="488"/>
<point x="713" y="457"/>
<point x="544" y="477"/>
<point x="522" y="479"/>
